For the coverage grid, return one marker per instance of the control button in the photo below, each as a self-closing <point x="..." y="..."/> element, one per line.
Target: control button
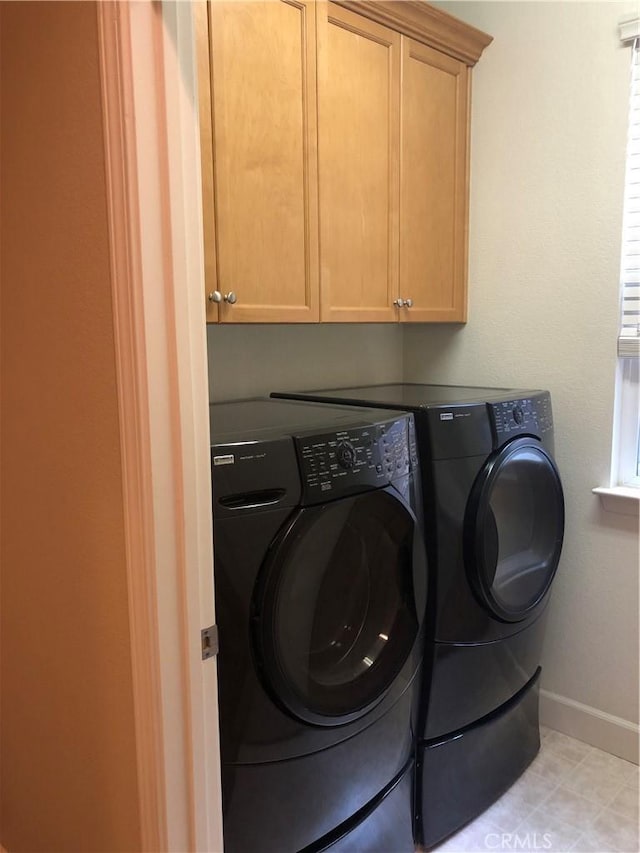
<point x="379" y="469"/>
<point x="346" y="455"/>
<point x="518" y="415"/>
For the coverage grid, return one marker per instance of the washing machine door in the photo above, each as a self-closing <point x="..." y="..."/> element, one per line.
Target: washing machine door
<point x="514" y="526"/>
<point x="335" y="611"/>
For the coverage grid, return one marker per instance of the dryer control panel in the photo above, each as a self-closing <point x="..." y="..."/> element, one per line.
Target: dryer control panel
<point x="528" y="415"/>
<point x="357" y="458"/>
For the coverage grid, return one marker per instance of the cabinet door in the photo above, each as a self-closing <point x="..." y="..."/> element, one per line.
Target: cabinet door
<point x="359" y="122"/>
<point x="264" y="116"/>
<point x="434" y="185"/>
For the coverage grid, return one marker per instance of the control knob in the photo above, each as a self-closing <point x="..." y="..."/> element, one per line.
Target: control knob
<point x="518" y="415"/>
<point x="346" y="454"/>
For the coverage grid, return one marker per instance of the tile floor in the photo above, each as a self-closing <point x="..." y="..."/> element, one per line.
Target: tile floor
<point x="573" y="797"/>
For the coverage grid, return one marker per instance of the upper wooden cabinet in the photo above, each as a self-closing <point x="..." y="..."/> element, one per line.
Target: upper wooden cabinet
<point x="335" y="160"/>
<point x="434" y="184"/>
<point x="260" y="168"/>
<point x="359" y="137"/>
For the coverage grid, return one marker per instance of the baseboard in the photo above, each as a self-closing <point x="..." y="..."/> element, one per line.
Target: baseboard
<point x="612" y="734"/>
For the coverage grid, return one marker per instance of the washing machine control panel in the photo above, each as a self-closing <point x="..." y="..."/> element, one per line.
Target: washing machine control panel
<point x="528" y="415"/>
<point x="356" y="459"/>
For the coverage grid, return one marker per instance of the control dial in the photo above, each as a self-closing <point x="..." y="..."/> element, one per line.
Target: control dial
<point x="346" y="454"/>
<point x="518" y="415"/>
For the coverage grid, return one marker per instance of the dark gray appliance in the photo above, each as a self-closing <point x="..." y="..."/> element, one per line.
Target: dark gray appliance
<point x="494" y="523"/>
<point x="320" y="581"/>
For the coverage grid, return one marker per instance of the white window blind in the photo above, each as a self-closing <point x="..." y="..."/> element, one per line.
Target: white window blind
<point x="629" y="336"/>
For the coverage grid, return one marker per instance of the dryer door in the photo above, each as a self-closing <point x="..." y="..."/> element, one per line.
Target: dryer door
<point x="335" y="611"/>
<point x="514" y="527"/>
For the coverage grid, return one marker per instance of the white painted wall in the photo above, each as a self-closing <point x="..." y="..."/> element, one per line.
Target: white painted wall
<point x="549" y="117"/>
<point x="255" y="360"/>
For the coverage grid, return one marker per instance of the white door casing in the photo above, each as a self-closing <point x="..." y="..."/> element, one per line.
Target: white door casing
<point x="155" y="213"/>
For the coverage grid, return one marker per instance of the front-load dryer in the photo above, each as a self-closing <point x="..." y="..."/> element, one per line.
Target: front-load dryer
<point x="320" y="584"/>
<point x="494" y="523"/>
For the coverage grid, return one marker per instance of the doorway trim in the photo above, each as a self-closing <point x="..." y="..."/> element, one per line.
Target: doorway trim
<point x="149" y="85"/>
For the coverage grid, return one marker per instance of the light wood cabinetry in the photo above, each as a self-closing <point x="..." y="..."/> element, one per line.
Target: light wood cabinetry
<point x="434" y="184"/>
<point x="262" y="218"/>
<point x="359" y="136"/>
<point x="335" y="160"/>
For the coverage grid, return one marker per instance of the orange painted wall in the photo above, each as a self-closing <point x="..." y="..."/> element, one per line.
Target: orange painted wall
<point x="68" y="772"/>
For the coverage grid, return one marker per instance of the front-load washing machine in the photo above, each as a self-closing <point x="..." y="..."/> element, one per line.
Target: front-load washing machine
<point x="320" y="584"/>
<point x="494" y="523"/>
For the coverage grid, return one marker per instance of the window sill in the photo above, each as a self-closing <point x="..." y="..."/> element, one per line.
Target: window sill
<point x="625" y="500"/>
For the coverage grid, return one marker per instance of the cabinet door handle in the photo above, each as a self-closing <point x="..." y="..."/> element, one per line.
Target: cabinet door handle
<point x="399" y="302"/>
<point x="408" y="303"/>
<point x="230" y="298"/>
<point x="215" y="296"/>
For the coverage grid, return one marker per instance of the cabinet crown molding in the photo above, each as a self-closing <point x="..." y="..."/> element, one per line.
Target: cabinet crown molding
<point x="426" y="24"/>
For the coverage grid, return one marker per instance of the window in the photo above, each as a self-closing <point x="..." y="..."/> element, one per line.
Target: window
<point x="626" y="453"/>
